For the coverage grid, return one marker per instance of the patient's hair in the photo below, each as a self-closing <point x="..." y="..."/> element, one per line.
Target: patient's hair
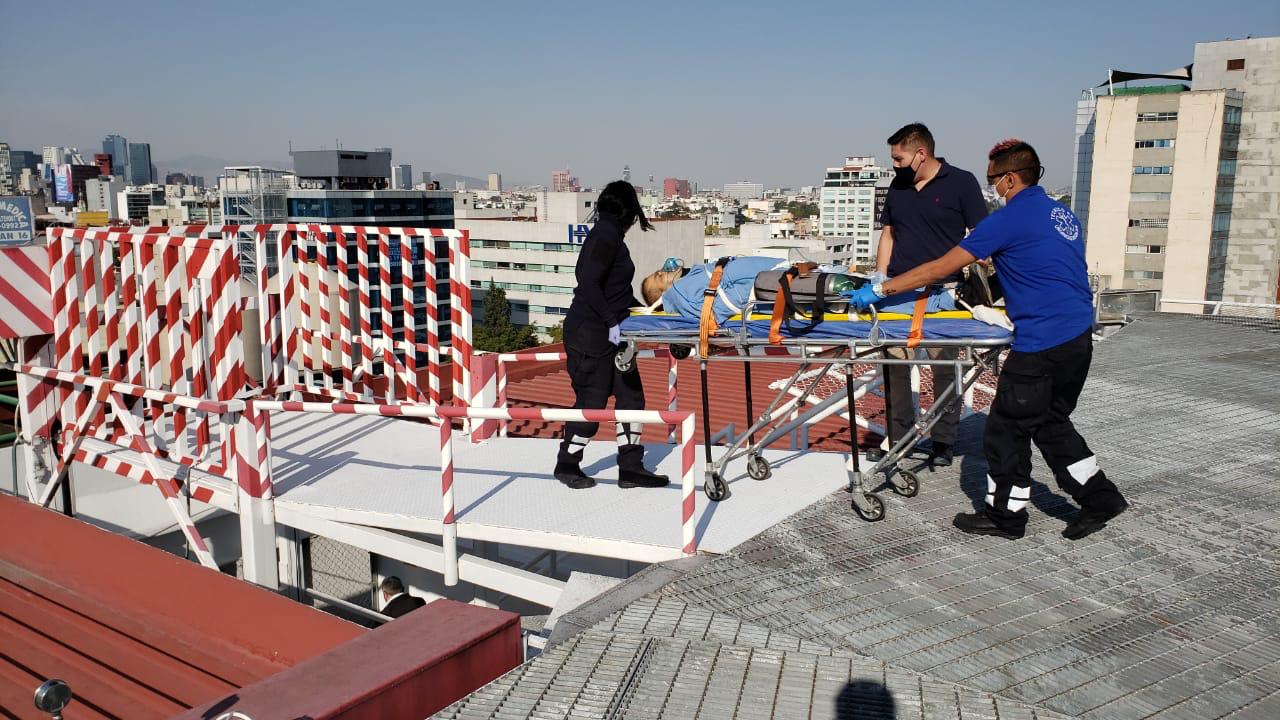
<point x="656" y="283"/>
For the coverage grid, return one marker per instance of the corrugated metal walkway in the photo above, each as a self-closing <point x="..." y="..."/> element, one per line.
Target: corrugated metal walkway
<point x="1171" y="612"/>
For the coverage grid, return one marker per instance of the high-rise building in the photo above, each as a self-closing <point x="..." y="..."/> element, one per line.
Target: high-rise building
<point x="495" y="182"/>
<point x="626" y="173"/>
<point x="196" y="180"/>
<point x="676" y="187"/>
<point x="102" y="194"/>
<point x="1181" y="193"/>
<point x="139" y="167"/>
<point x="7" y="180"/>
<point x="402" y="177"/>
<point x="176" y="178"/>
<point x="848" y="209"/>
<point x="744" y="190"/>
<point x="118" y="148"/>
<point x="560" y="181"/>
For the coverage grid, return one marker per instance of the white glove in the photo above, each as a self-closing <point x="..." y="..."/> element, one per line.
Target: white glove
<point x="876" y="277"/>
<point x="615" y="334"/>
<point x="989" y="315"/>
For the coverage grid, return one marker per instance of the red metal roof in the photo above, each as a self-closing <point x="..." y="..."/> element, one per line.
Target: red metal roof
<point x="547" y="384"/>
<point x="136" y="632"/>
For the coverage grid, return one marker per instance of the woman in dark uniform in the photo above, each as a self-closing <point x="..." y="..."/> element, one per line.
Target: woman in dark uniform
<point x="601" y="300"/>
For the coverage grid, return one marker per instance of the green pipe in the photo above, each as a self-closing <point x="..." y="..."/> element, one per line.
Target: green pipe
<point x="8" y="437"/>
<point x="9" y="400"/>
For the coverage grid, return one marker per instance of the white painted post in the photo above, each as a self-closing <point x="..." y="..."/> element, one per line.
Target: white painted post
<point x="449" y="529"/>
<point x="256" y="507"/>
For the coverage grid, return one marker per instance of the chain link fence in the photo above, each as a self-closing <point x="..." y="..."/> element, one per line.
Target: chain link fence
<point x="1260" y="316"/>
<point x="338" y="570"/>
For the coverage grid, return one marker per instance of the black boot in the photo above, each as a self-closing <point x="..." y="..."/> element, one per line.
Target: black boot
<point x="980" y="523"/>
<point x="941" y="454"/>
<point x="1091" y="520"/>
<point x="640" y="477"/>
<point x="570" y="473"/>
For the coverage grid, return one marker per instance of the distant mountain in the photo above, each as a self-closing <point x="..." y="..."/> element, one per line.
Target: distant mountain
<point x="211" y="167"/>
<point x="447" y="181"/>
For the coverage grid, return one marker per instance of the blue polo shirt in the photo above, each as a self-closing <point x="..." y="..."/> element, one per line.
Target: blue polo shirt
<point x="928" y="222"/>
<point x="1038" y="250"/>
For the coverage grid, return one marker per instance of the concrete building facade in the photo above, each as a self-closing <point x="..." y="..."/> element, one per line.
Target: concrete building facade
<point x="1176" y="183"/>
<point x="534" y="261"/>
<point x="102" y="195"/>
<point x="848" y="209"/>
<point x="744" y="190"/>
<point x="1251" y="272"/>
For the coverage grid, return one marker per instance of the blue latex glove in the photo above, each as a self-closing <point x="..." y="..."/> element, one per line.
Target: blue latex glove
<point x="615" y="334"/>
<point x="863" y="297"/>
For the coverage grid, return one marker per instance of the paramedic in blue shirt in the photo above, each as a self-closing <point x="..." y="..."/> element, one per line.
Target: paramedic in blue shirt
<point x="1038" y="251"/>
<point x="929" y="207"/>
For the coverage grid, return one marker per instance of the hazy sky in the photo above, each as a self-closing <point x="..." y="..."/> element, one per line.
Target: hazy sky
<point x="714" y="92"/>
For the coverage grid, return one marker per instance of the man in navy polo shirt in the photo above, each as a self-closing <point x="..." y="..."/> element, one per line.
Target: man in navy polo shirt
<point x="929" y="208"/>
<point x="1039" y="254"/>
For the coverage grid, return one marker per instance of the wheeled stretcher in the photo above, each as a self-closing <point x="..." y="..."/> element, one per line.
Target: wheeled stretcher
<point x="836" y="344"/>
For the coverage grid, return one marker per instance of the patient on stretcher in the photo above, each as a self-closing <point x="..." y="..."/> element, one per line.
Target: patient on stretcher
<point x="681" y="290"/>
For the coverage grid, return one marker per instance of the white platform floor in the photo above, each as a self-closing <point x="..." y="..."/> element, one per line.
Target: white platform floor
<point x="384" y="472"/>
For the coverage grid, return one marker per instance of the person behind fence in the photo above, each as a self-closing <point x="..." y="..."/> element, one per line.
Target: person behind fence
<point x="929" y="207"/>
<point x="602" y="299"/>
<point x="396" y="601"/>
<point x="1038" y="250"/>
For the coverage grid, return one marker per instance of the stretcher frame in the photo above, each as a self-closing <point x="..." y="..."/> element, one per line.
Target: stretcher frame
<point x="786" y="411"/>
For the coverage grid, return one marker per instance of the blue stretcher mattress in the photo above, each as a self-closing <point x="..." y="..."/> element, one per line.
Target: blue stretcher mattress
<point x="934" y="328"/>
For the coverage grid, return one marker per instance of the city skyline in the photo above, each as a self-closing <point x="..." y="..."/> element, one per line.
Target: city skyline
<point x="524" y="91"/>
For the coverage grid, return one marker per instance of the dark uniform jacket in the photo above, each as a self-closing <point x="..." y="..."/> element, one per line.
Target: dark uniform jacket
<point x="402" y="605"/>
<point x="603" y="296"/>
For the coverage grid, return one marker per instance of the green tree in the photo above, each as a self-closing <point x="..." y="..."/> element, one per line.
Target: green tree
<point x="496" y="333"/>
<point x="556" y="332"/>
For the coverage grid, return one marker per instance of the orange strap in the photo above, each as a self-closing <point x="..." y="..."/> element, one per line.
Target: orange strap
<point x="917" y="320"/>
<point x="708" y="324"/>
<point x="780" y="306"/>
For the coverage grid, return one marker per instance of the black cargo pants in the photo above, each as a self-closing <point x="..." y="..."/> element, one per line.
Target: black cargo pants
<point x="594" y="380"/>
<point x="1034" y="398"/>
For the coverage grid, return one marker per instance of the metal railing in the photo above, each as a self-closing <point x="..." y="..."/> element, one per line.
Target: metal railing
<point x="505" y="359"/>
<point x="449" y="529"/>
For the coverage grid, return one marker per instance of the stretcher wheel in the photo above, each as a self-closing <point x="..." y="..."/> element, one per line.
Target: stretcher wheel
<point x="680" y="352"/>
<point x="875" y="512"/>
<point x="758" y="467"/>
<point x="622" y="362"/>
<point x="716" y="488"/>
<point x="909" y="485"/>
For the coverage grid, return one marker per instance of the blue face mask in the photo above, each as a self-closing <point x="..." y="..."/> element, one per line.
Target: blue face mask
<point x="672" y="264"/>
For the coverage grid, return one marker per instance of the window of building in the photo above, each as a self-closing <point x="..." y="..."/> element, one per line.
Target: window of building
<point x="1149" y="197"/>
<point x="1222" y="221"/>
<point x="1144" y="274"/>
<point x="1166" y="143"/>
<point x="1155" y="169"/>
<point x="1227" y="167"/>
<point x="1235" y="64"/>
<point x="1144" y="249"/>
<point x="1149" y="222"/>
<point x="1157" y="116"/>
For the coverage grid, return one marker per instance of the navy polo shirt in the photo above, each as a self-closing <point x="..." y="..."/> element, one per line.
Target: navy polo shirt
<point x="1038" y="250"/>
<point x="927" y="223"/>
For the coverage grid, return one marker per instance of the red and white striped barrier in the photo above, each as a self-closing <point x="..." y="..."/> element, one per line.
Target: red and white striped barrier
<point x="26" y="306"/>
<point x="672" y="377"/>
<point x="688" y="503"/>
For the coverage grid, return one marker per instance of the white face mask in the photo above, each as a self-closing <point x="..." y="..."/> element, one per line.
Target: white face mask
<point x="1000" y="199"/>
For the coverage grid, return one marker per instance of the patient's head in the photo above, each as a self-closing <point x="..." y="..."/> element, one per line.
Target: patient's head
<point x="652" y="287"/>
